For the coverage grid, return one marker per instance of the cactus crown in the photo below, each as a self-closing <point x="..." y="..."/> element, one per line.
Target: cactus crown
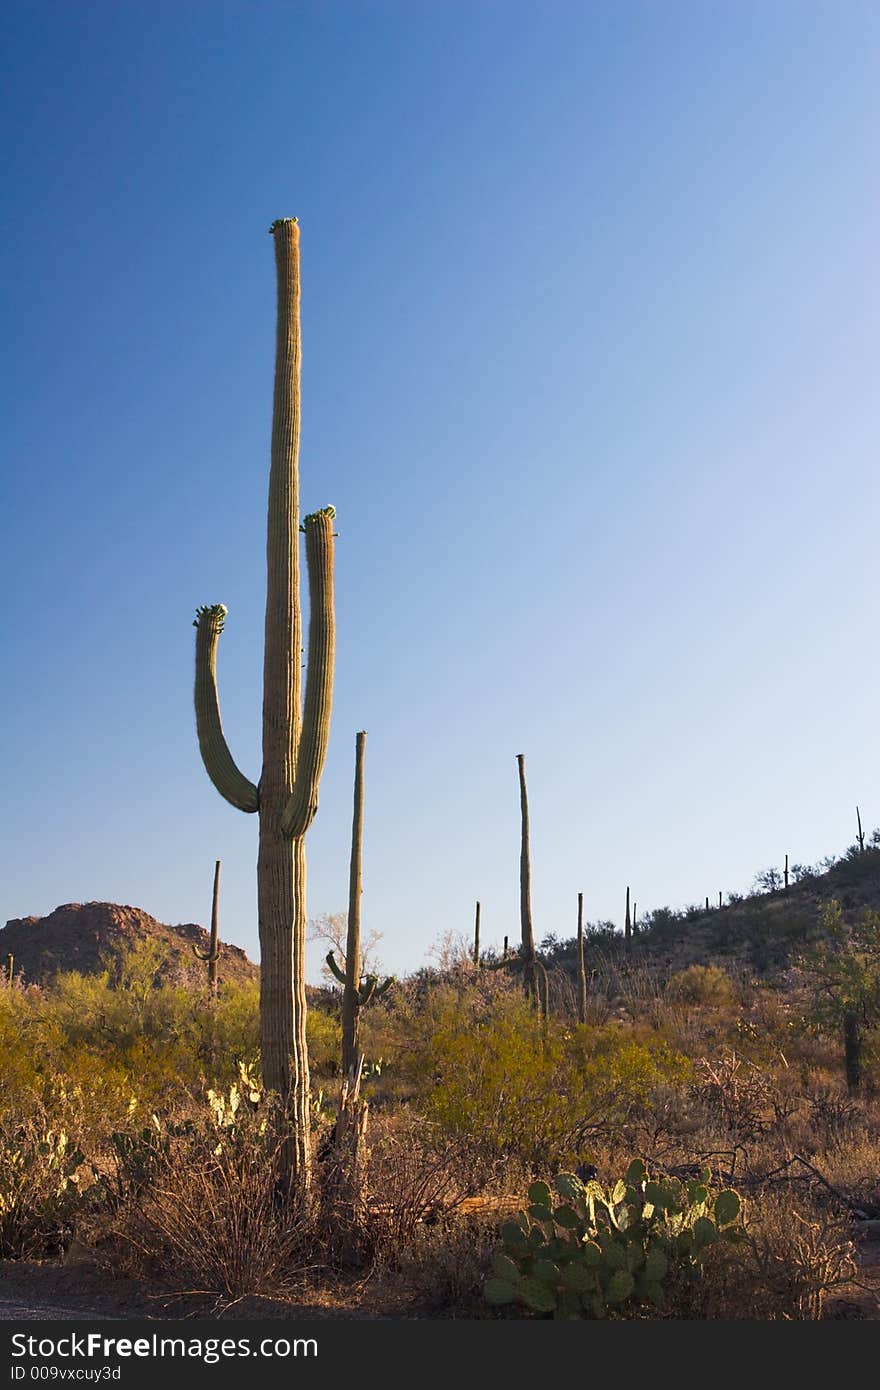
<point x="313" y="516"/>
<point x="212" y="610"/>
<point x="279" y="222"/>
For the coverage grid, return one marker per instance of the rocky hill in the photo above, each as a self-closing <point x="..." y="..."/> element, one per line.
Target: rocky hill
<point x="92" y="937"/>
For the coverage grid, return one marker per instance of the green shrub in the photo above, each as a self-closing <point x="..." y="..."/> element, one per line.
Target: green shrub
<point x="520" y="1091"/>
<point x="701" y="984"/>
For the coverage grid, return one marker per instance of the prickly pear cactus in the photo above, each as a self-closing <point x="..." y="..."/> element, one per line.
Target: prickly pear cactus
<point x="580" y="1250"/>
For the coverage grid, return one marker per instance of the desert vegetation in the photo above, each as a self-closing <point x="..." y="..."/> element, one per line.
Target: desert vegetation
<point x="698" y="1144"/>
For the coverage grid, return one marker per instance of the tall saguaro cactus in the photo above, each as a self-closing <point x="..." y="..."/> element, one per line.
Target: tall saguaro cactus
<point x="212" y="955"/>
<point x="294" y="738"/>
<point x="581" y="964"/>
<point x="477" y="937"/>
<point x="627" y="925"/>
<point x="525" y="888"/>
<point x="355" y="993"/>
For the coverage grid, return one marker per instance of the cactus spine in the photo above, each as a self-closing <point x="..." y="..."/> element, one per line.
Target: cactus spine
<point x="212" y="955"/>
<point x="477" y="937"/>
<point x="525" y="887"/>
<point x="294" y="740"/>
<point x="355" y="992"/>
<point x="582" y="965"/>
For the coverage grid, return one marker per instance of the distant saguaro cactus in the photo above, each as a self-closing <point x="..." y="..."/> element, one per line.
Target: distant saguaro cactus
<point x="212" y="955"/>
<point x="861" y="833"/>
<point x="627" y="925"/>
<point x="294" y="738"/>
<point x="527" y="954"/>
<point x="477" y="937"/>
<point x="581" y="964"/>
<point x="10" y="969"/>
<point x="785" y="873"/>
<point x="356" y="993"/>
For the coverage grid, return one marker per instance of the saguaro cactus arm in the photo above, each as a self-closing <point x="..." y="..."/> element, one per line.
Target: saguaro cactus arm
<point x="338" y="974"/>
<point x="219" y="763"/>
<point x="303" y="803"/>
<point x="370" y="989"/>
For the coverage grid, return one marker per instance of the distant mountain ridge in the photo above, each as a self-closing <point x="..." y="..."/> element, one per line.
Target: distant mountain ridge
<point x="89" y="937"/>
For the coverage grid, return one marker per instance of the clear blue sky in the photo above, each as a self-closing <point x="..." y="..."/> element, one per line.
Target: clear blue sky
<point x="591" y="361"/>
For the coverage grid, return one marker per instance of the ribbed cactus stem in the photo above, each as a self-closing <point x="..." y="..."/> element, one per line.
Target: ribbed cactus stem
<point x="477" y="937"/>
<point x="525" y="886"/>
<point x="10" y="969"/>
<point x="337" y="972"/>
<point x="581" y="963"/>
<point x="350" y="993"/>
<point x="356" y="993"/>
<point x="303" y="803"/>
<point x="294" y="742"/>
<point x="219" y="762"/>
<point x="212" y="955"/>
<point x="543" y="990"/>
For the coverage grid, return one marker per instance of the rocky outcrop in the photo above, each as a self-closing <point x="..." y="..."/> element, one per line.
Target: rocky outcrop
<point x="92" y="937"/>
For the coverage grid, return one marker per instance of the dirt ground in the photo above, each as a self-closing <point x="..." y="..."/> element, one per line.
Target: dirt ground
<point x="44" y="1290"/>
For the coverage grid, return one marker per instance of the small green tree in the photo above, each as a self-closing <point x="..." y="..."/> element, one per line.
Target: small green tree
<point x="843" y="968"/>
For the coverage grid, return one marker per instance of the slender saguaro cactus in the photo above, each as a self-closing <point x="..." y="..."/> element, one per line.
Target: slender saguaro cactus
<point x="635" y="915"/>
<point x="852" y="1051"/>
<point x="355" y="993"/>
<point x="525" y="887"/>
<point x="719" y="897"/>
<point x="294" y="738"/>
<point x="627" y="925"/>
<point x="543" y="984"/>
<point x="10" y="969"/>
<point x="477" y="937"/>
<point x="861" y="832"/>
<point x="707" y="902"/>
<point x="786" y="873"/>
<point x="212" y="955"/>
<point x="506" y="948"/>
<point x="582" y="965"/>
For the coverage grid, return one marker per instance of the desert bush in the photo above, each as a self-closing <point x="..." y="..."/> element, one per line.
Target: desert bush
<point x="701" y="984"/>
<point x="45" y="1184"/>
<point x="415" y="1175"/>
<point x="784" y="1269"/>
<point x="208" y="1207"/>
<point x="534" y="1093"/>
